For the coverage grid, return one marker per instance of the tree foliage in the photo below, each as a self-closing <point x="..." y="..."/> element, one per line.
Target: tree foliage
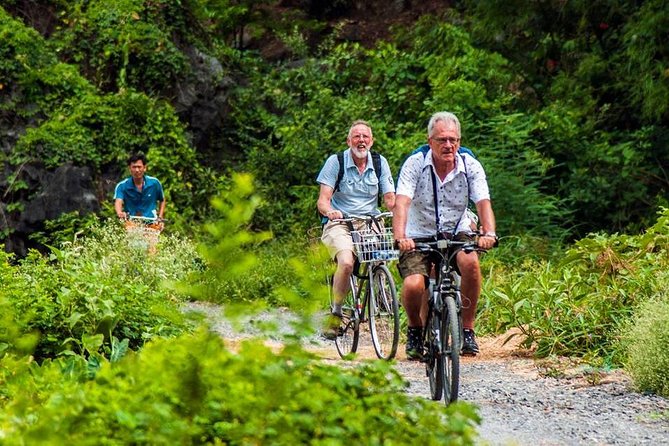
<point x="565" y="103"/>
<point x="597" y="74"/>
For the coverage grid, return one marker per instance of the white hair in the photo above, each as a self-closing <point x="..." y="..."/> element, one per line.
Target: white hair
<point x="447" y="117"/>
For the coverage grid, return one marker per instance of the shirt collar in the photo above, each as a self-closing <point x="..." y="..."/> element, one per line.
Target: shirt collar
<point x="348" y="160"/>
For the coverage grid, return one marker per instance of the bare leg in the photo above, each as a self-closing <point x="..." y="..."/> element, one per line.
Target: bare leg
<point x="470" y="287"/>
<point x="414" y="299"/>
<point x="341" y="282"/>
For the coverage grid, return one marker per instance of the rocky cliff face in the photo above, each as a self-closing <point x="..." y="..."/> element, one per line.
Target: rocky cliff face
<point x="46" y="194"/>
<point x="65" y="189"/>
<point x="201" y="102"/>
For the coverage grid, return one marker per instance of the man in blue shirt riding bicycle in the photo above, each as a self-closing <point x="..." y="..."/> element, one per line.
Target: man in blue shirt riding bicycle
<point x="433" y="191"/>
<point x="356" y="193"/>
<point x="139" y="194"/>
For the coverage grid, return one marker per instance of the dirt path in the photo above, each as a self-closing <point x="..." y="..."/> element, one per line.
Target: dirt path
<point x="527" y="402"/>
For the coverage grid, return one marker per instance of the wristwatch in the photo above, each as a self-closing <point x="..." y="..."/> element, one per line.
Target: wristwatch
<point x="491" y="234"/>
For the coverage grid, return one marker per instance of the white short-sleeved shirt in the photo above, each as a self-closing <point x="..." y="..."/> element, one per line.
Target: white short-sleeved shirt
<point x="357" y="192"/>
<point x="460" y="185"/>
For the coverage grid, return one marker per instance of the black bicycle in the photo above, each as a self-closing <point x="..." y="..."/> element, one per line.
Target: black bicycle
<point x="372" y="296"/>
<point x="442" y="334"/>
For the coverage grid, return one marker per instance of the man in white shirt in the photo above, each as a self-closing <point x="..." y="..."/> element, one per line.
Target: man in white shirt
<point x="433" y="191"/>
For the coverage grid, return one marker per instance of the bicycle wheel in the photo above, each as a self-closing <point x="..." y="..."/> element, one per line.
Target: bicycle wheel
<point x="384" y="315"/>
<point x="347" y="339"/>
<point x="451" y="350"/>
<point x="434" y="360"/>
<point x="434" y="364"/>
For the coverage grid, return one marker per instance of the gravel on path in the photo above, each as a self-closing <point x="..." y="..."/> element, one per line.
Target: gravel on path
<point x="518" y="404"/>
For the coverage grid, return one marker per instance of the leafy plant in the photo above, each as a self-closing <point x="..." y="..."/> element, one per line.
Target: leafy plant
<point x="645" y="338"/>
<point x="127" y="44"/>
<point x="576" y="305"/>
<point x="188" y="390"/>
<point x="98" y="285"/>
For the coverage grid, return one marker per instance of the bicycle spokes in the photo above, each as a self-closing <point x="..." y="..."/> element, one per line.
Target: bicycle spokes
<point x="383" y="313"/>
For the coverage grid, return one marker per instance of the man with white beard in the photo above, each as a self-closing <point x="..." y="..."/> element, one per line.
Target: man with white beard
<point x="356" y="193"/>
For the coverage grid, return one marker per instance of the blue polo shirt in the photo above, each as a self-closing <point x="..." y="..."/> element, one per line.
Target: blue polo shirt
<point x="138" y="203"/>
<point x="357" y="192"/>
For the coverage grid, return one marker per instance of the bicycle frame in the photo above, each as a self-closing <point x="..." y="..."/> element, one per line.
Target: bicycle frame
<point x="373" y="296"/>
<point x="442" y="334"/>
<point x="360" y="283"/>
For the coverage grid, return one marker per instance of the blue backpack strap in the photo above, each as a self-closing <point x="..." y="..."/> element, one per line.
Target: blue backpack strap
<point x="340" y="174"/>
<point x="467" y="151"/>
<point x="422" y="149"/>
<point x="376" y="162"/>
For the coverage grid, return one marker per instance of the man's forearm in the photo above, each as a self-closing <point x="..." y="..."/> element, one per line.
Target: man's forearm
<point x="487" y="217"/>
<point x="400" y="216"/>
<point x="118" y="207"/>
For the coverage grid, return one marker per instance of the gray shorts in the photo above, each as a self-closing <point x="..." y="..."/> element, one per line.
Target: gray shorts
<point x="416" y="262"/>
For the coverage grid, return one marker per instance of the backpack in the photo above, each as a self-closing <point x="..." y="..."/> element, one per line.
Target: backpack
<point x="426" y="148"/>
<point x="376" y="162"/>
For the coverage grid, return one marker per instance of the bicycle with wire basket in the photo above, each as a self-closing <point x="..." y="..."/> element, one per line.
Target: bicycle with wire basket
<point x="442" y="334"/>
<point x="372" y="296"/>
<point x="143" y="232"/>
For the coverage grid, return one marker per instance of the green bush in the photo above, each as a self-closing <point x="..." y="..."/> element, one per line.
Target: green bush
<point x="32" y="82"/>
<point x="192" y="390"/>
<point x="576" y="304"/>
<point x="99" y="284"/>
<point x="125" y="44"/>
<point x="249" y="269"/>
<point x="645" y="340"/>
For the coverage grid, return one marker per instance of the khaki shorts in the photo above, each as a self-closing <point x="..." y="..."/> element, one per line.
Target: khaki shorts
<point x="416" y="262"/>
<point x="337" y="237"/>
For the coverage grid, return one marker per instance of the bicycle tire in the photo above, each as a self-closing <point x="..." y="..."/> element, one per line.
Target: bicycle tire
<point x="384" y="315"/>
<point x="451" y="349"/>
<point x="347" y="340"/>
<point x="434" y="360"/>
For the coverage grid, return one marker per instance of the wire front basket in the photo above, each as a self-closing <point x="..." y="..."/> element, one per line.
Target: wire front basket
<point x="142" y="235"/>
<point x="372" y="245"/>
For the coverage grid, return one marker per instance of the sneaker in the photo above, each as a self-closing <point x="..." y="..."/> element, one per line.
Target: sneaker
<point x="414" y="347"/>
<point x="469" y="345"/>
<point x="333" y="327"/>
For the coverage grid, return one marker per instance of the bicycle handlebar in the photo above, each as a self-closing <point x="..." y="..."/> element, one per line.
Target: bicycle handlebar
<point x="147" y="220"/>
<point x="437" y="244"/>
<point x="353" y="217"/>
<point x="440" y="245"/>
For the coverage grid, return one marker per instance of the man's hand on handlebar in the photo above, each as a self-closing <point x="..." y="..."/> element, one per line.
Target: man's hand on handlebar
<point x="487" y="241"/>
<point x="405" y="244"/>
<point x="334" y="214"/>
